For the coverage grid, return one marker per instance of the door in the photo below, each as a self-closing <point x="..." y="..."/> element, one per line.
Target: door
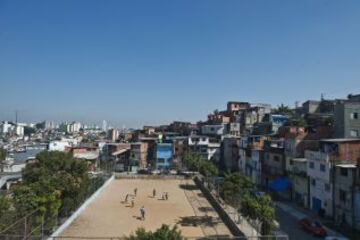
<point x="316" y="204"/>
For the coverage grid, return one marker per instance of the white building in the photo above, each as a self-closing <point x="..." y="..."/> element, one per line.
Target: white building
<point x="319" y="171"/>
<point x="104" y="126"/>
<point x="202" y="145"/>
<point x="73" y="127"/>
<point x="19" y="130"/>
<point x="214" y="151"/>
<point x="6" y="127"/>
<point x="63" y="144"/>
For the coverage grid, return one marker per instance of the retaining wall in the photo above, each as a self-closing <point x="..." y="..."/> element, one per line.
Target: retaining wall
<point x="67" y="223"/>
<point x="222" y="213"/>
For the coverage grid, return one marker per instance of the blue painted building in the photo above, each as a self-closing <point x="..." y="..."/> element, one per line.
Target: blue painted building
<point x="277" y="121"/>
<point x="164" y="155"/>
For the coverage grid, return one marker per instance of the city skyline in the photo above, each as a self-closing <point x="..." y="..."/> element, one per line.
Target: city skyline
<point x="139" y="63"/>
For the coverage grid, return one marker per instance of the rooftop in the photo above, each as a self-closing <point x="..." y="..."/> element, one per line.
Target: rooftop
<point x="346" y="165"/>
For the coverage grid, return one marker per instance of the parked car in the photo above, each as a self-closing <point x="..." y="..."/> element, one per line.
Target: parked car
<point x="313" y="227"/>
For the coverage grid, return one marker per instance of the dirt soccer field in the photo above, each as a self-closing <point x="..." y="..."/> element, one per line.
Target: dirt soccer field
<point x="110" y="216"/>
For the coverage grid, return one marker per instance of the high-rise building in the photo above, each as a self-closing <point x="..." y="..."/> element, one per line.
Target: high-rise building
<point x="104" y="125"/>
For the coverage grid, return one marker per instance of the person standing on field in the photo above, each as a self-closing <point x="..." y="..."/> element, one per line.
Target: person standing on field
<point x="142" y="212"/>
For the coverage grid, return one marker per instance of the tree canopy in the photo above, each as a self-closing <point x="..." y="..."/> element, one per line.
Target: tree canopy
<point x="53" y="186"/>
<point x="163" y="233"/>
<point x="196" y="162"/>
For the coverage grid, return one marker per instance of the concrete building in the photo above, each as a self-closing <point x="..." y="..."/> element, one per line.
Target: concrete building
<point x="274" y="164"/>
<point x="213" y="130"/>
<point x="277" y="121"/>
<point x="253" y="165"/>
<point x="347" y="195"/>
<point x="230" y="153"/>
<point x="297" y="172"/>
<point x="164" y="155"/>
<point x="234" y="129"/>
<point x="19" y="130"/>
<point x="116" y="156"/>
<point x="73" y="127"/>
<point x="311" y="106"/>
<point x="320" y="171"/>
<point x="113" y="134"/>
<point x="347" y="119"/>
<point x="6" y="127"/>
<point x="234" y="106"/>
<point x="138" y="154"/>
<point x="60" y="145"/>
<point x="207" y="147"/>
<point x="218" y="118"/>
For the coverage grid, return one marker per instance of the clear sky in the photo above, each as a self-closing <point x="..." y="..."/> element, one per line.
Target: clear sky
<point x="150" y="62"/>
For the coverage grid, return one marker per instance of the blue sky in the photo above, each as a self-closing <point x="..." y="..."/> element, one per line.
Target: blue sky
<point x="150" y="62"/>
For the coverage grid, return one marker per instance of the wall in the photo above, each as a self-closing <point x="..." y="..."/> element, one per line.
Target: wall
<point x="344" y="183"/>
<point x="216" y="205"/>
<point x="230" y="156"/>
<point x="77" y="213"/>
<point x="164" y="155"/>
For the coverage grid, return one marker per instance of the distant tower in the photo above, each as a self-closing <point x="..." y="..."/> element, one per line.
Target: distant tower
<point x="104" y="126"/>
<point x="16" y="116"/>
<point x="322" y="96"/>
<point x="296" y="104"/>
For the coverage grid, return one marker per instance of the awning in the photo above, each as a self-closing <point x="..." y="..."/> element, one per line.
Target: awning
<point x="121" y="151"/>
<point x="280" y="184"/>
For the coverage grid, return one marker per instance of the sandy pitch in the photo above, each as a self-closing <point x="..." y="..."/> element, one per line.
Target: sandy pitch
<point x="109" y="216"/>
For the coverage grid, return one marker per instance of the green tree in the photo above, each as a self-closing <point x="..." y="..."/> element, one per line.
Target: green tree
<point x="29" y="130"/>
<point x="6" y="215"/>
<point x="235" y="186"/>
<point x="284" y="110"/>
<point x="208" y="169"/>
<point x="259" y="208"/>
<point x="192" y="160"/>
<point x="163" y="233"/>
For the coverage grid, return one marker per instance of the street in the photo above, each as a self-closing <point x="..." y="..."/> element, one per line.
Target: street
<point x="288" y="224"/>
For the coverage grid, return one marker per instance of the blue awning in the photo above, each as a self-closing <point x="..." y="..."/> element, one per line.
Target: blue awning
<point x="280" y="185"/>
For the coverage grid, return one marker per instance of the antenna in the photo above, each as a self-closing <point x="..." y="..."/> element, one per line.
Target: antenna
<point x="16" y="116"/>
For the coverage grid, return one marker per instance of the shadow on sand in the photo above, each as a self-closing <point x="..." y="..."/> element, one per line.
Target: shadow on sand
<point x="188" y="187"/>
<point x="196" y="221"/>
<point x="206" y="209"/>
<point x="137" y="218"/>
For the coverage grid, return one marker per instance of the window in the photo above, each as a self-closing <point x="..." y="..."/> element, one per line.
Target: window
<point x="354" y="115"/>
<point x="161" y="160"/>
<point x="354" y="133"/>
<point x="327" y="187"/>
<point x="343" y="172"/>
<point x="322" y="167"/>
<point x="313" y="182"/>
<point x="311" y="165"/>
<point x="342" y="195"/>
